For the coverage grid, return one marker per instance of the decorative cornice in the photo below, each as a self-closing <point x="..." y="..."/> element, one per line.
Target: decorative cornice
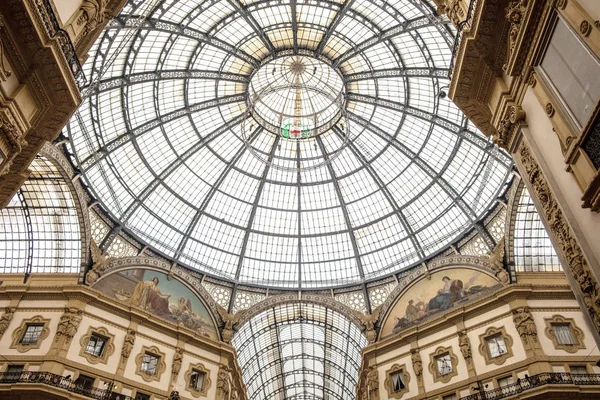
<point x="577" y="264"/>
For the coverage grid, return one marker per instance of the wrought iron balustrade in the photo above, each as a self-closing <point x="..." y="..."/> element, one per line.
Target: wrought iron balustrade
<point x="546" y="378"/>
<point x="61" y="382"/>
<point x="66" y="45"/>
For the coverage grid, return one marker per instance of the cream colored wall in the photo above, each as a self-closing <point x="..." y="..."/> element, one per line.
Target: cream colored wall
<point x="499" y="316"/>
<point x="592" y="7"/>
<point x="199" y="352"/>
<point x="66" y="9"/>
<point x="546" y="146"/>
<point x="517" y="348"/>
<point x="18" y="317"/>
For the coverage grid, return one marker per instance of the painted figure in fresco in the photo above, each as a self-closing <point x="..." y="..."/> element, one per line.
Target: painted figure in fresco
<point x="450" y="293"/>
<point x="147" y="295"/>
<point x="412" y="312"/>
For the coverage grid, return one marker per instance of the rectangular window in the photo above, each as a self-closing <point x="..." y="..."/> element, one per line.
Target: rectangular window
<point x="197" y="380"/>
<point x="96" y="345"/>
<point x="13" y="372"/>
<point x="578" y="369"/>
<point x="504" y="384"/>
<point x="149" y="363"/>
<point x="84" y="384"/>
<point x="32" y="333"/>
<point x="572" y="71"/>
<point x="496" y="346"/>
<point x="563" y="334"/>
<point x="142" y="396"/>
<point x="444" y="364"/>
<point x="397" y="378"/>
<point x="450" y="397"/>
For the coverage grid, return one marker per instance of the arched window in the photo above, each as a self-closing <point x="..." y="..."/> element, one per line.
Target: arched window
<point x="533" y="249"/>
<point x="40" y="230"/>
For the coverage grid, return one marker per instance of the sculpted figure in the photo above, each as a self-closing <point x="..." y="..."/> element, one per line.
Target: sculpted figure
<point x="5" y="319"/>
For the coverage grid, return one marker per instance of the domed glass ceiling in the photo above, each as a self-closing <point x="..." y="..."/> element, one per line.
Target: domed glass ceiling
<point x="182" y="137"/>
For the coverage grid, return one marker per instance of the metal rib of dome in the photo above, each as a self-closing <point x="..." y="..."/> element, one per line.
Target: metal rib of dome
<point x="159" y="139"/>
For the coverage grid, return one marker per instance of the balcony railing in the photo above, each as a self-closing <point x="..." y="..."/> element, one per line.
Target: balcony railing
<point x="61" y="382"/>
<point x="66" y="45"/>
<point x="547" y="378"/>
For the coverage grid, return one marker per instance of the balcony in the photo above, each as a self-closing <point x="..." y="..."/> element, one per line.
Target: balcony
<point x="60" y="382"/>
<point x="536" y="381"/>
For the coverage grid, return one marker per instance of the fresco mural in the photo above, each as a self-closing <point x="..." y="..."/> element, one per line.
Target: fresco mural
<point x="446" y="289"/>
<point x="168" y="299"/>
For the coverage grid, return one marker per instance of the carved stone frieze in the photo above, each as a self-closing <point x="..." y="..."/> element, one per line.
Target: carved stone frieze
<point x="508" y="125"/>
<point x="372" y="384"/>
<point x="4" y="71"/>
<point x="567" y="244"/>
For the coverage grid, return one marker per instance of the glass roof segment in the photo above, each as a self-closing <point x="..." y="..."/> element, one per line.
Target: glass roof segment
<point x="299" y="350"/>
<point x="189" y="132"/>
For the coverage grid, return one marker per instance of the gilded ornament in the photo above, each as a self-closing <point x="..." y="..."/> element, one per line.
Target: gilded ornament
<point x="585" y="28"/>
<point x="549" y="110"/>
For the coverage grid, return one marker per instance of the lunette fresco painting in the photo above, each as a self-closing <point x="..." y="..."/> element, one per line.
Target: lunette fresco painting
<point x="446" y="289"/>
<point x="168" y="299"/>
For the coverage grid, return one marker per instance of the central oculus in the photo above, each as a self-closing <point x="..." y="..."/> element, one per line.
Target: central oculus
<point x="296" y="97"/>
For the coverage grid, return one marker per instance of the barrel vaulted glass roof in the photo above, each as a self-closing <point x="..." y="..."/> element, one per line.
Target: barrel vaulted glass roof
<point x="299" y="351"/>
<point x="174" y="149"/>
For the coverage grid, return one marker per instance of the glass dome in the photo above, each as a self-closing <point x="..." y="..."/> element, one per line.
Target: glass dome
<point x="182" y="138"/>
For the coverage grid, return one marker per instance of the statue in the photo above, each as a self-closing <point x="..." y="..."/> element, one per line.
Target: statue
<point x="524" y="323"/>
<point x="372" y="383"/>
<point x="230" y="321"/>
<point x="5" y="320"/>
<point x="99" y="260"/>
<point x="223" y="383"/>
<point x="94" y="10"/>
<point x="417" y="363"/>
<point x="465" y="346"/>
<point x="128" y="344"/>
<point x="496" y="259"/>
<point x="176" y="367"/>
<point x="368" y="321"/>
<point x="68" y="324"/>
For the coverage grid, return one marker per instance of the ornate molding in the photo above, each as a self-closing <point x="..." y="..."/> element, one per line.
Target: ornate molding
<point x="509" y="125"/>
<point x="433" y="364"/>
<point x="577" y="264"/>
<point x="197" y="392"/>
<point x="108" y="350"/>
<point x="484" y="349"/>
<point x="160" y="365"/>
<point x="388" y="381"/>
<point x="576" y="333"/>
<point x="18" y="333"/>
<point x="325" y="301"/>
